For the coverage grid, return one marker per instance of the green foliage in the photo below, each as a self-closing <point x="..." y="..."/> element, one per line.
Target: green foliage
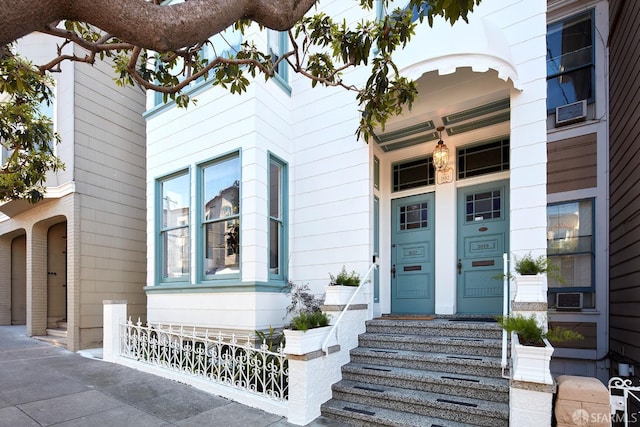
<point x="305" y="308"/>
<point x="322" y="49"/>
<point x="273" y="340"/>
<point x="530" y="333"/>
<point x="530" y="266"/>
<point x="344" y="278"/>
<point x="309" y="320"/>
<point x="25" y="133"/>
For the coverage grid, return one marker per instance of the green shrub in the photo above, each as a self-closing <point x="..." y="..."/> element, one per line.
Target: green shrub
<point x="309" y="320"/>
<point x="530" y="266"/>
<point x="530" y="333"/>
<point x="345" y="279"/>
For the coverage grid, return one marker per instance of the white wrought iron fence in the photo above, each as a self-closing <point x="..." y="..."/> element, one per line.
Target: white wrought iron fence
<point x="225" y="359"/>
<point x="624" y="399"/>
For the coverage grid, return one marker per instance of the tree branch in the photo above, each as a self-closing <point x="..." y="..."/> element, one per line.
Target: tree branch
<point x="146" y="24"/>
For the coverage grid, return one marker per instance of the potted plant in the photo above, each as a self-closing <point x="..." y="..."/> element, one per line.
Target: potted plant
<point x="530" y="347"/>
<point x="308" y="326"/>
<point x="530" y="285"/>
<point x="344" y="278"/>
<point x="342" y="287"/>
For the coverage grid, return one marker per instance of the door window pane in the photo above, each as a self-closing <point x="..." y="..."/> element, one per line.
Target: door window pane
<point x="483" y="206"/>
<point x="414" y="216"/>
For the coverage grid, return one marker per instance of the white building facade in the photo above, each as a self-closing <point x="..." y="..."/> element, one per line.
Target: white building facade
<point x="248" y="192"/>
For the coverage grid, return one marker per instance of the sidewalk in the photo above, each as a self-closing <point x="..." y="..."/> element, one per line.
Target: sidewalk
<point x="44" y="385"/>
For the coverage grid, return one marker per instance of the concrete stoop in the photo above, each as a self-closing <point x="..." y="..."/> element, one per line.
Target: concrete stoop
<point x="56" y="335"/>
<point x="440" y="372"/>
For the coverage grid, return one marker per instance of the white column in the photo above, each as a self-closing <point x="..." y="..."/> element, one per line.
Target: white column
<point x="115" y="314"/>
<point x="445" y="248"/>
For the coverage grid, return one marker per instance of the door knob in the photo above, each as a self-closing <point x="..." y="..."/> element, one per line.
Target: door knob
<point x="459" y="266"/>
<point x="393" y="271"/>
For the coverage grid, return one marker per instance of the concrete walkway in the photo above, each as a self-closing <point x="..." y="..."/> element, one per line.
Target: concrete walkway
<point x="44" y="385"/>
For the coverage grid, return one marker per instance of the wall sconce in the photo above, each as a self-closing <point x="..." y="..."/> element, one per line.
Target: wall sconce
<point x="440" y="153"/>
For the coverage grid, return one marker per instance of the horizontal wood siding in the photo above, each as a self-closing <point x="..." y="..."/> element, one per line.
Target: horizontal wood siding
<point x="571" y="163"/>
<point x="624" y="179"/>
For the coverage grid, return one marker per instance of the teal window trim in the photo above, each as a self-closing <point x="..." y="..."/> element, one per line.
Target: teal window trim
<point x="376" y="173"/>
<point x="376" y="248"/>
<point x="201" y="250"/>
<point x="225" y="286"/>
<point x="569" y="70"/>
<point x="196" y="87"/>
<point x="158" y="226"/>
<point x="281" y="76"/>
<point x="281" y="220"/>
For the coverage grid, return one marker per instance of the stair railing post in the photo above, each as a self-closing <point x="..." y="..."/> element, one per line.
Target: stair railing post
<point x="505" y="309"/>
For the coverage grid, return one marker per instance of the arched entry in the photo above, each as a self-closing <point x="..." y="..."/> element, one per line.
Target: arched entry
<point x="56" y="274"/>
<point x="19" y="280"/>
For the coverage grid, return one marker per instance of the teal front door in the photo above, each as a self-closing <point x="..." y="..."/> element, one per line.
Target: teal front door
<point x="483" y="227"/>
<point x="412" y="255"/>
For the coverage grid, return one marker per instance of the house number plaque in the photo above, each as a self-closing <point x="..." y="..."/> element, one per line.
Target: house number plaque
<point x="445" y="175"/>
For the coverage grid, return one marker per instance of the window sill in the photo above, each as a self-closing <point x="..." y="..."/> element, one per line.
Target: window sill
<point x="221" y="286"/>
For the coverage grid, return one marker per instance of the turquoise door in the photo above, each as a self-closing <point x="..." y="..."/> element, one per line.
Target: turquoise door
<point x="412" y="255"/>
<point x="483" y="226"/>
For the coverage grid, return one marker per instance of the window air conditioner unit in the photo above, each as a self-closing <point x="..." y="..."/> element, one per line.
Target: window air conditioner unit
<point x="569" y="301"/>
<point x="571" y="113"/>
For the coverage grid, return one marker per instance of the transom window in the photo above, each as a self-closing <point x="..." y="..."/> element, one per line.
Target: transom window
<point x="483" y="159"/>
<point x="483" y="206"/>
<point x="414" y="216"/>
<point x="221" y="217"/>
<point x="416" y="173"/>
<point x="570" y="60"/>
<point x="174" y="232"/>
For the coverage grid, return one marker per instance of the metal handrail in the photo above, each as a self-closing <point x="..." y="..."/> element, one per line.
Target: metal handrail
<point x="505" y="309"/>
<point x="365" y="282"/>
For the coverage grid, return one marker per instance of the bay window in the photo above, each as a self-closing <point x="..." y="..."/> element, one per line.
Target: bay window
<point x="220" y="183"/>
<point x="174" y="230"/>
<point x="277" y="218"/>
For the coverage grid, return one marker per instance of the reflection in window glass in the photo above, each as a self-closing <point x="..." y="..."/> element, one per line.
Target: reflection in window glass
<point x="414" y="216"/>
<point x="221" y="195"/>
<point x="278" y="44"/>
<point x="483" y="206"/>
<point x="570" y="243"/>
<point x="175" y="227"/>
<point x="570" y="60"/>
<point x="277" y="178"/>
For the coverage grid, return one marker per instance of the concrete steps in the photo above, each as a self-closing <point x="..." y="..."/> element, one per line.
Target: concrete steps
<point x="441" y="372"/>
<point x="55" y="335"/>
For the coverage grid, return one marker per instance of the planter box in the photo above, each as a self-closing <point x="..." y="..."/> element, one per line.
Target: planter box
<point x="340" y="295"/>
<point x="531" y="289"/>
<point x="303" y="342"/>
<point x="531" y="364"/>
